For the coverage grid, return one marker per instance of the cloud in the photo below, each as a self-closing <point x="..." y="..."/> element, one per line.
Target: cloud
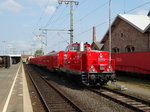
<point x="20" y="44"/>
<point x="50" y="10"/>
<point x="43" y="2"/>
<point x="142" y="12"/>
<point x="11" y="5"/>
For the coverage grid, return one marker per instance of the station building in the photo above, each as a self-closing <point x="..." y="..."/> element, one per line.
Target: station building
<point x="130" y="33"/>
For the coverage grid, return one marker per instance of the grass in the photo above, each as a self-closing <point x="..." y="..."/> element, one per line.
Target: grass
<point x="135" y="81"/>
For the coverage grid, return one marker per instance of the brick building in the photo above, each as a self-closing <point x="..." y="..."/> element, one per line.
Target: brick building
<point x="130" y="44"/>
<point x="130" y="33"/>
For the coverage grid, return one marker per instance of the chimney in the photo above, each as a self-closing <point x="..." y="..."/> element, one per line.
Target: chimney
<point x="94" y="34"/>
<point x="148" y="14"/>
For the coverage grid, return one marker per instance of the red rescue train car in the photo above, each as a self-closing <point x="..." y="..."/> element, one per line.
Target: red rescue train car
<point x="78" y="59"/>
<point x="133" y="62"/>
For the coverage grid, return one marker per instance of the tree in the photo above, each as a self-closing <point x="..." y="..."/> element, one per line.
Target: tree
<point x="39" y="53"/>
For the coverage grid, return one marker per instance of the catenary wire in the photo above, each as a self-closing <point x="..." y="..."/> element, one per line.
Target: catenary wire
<point x="89" y="29"/>
<point x="42" y="14"/>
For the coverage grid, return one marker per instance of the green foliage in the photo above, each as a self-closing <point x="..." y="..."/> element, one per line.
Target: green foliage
<point x="38" y="53"/>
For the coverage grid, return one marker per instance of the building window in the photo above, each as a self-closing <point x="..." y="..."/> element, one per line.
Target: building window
<point x="121" y="35"/>
<point x="115" y="50"/>
<point x="130" y="48"/>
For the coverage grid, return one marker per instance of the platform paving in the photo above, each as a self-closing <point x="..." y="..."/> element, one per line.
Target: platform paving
<point x="14" y="94"/>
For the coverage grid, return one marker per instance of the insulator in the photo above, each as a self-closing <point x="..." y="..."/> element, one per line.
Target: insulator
<point x="66" y="3"/>
<point x="76" y="3"/>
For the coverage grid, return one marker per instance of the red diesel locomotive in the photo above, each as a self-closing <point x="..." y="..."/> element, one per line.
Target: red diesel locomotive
<point x="93" y="67"/>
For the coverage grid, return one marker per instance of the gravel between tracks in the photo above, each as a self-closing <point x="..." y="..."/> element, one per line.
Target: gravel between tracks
<point x="89" y="101"/>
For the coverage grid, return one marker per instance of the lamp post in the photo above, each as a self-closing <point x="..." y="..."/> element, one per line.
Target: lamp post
<point x="110" y="32"/>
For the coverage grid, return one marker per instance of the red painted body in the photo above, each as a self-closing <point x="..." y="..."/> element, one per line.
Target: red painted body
<point x="92" y="66"/>
<point x="137" y="62"/>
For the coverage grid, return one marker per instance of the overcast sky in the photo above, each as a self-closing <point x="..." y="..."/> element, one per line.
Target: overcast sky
<point x="20" y="21"/>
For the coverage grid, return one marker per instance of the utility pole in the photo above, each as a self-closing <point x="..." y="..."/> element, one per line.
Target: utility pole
<point x="110" y="32"/>
<point x="71" y="2"/>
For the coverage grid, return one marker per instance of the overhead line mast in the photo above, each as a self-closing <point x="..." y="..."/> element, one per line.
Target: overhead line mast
<point x="45" y="32"/>
<point x="71" y="2"/>
<point x="110" y="40"/>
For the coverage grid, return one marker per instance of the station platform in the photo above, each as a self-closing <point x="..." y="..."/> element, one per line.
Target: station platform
<point x="14" y="93"/>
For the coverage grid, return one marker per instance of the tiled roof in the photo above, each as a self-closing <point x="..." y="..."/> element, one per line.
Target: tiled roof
<point x="140" y="22"/>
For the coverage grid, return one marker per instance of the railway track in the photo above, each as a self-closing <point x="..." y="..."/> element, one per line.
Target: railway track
<point x="128" y="101"/>
<point x="52" y="98"/>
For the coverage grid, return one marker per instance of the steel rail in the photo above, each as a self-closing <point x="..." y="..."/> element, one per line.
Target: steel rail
<point x="46" y="107"/>
<point x="123" y="99"/>
<point x="73" y="105"/>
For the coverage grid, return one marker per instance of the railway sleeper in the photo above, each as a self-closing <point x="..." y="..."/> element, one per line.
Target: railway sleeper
<point x="145" y="108"/>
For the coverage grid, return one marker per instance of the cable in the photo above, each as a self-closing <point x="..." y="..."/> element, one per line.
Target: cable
<point x="91" y="12"/>
<point x="137" y="7"/>
<point x="49" y="21"/>
<point x="62" y="38"/>
<point x="42" y="14"/>
<point x="59" y="17"/>
<point x="111" y="19"/>
<point x="83" y="2"/>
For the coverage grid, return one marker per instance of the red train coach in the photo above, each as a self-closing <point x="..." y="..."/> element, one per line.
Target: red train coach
<point x="133" y="62"/>
<point x="93" y="67"/>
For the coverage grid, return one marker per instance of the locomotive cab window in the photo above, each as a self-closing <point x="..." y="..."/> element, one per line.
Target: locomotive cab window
<point x="66" y="49"/>
<point x="86" y="48"/>
<point x="74" y="48"/>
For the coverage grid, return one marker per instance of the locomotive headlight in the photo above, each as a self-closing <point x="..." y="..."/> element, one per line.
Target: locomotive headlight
<point x="101" y="56"/>
<point x="109" y="69"/>
<point x="92" y="69"/>
<point x="92" y="66"/>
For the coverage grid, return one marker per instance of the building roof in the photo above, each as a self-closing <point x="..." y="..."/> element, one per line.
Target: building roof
<point x="98" y="45"/>
<point x="140" y="22"/>
<point x="11" y="55"/>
